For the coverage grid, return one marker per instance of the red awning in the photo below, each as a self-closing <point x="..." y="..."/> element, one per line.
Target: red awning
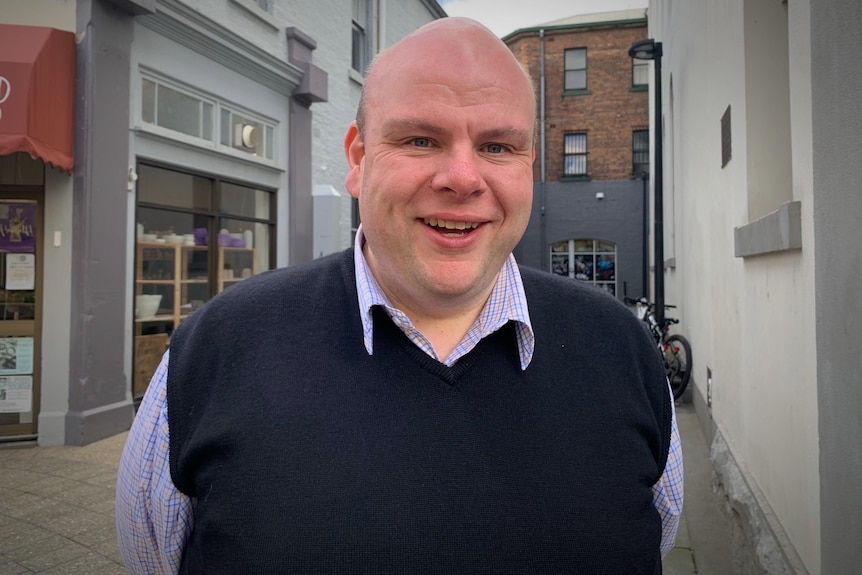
<point x="37" y="93"/>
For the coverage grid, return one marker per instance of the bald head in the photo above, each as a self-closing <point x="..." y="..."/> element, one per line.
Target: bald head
<point x="447" y="45"/>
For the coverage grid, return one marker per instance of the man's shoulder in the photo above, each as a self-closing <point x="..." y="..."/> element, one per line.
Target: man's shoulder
<point x="543" y="285"/>
<point x="275" y="293"/>
<point x="306" y="278"/>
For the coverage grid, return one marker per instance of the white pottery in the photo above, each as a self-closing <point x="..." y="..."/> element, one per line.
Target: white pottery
<point x="147" y="305"/>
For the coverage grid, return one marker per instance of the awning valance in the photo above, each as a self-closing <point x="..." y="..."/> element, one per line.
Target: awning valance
<point x="37" y="93"/>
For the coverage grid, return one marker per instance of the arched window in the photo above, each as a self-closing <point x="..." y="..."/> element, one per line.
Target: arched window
<point x="594" y="261"/>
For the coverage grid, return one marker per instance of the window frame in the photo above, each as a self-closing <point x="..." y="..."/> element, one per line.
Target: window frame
<point x="577" y="157"/>
<point x="567" y="70"/>
<point x="359" y="37"/>
<point x="640" y="68"/>
<point x="568" y="251"/>
<point x="642" y="152"/>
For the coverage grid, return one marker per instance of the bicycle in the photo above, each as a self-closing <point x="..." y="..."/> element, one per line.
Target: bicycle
<point x="675" y="349"/>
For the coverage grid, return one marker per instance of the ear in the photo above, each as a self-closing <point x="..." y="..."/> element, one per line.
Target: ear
<point x="354" y="150"/>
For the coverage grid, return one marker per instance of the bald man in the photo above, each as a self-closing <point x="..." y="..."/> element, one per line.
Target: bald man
<point x="418" y="403"/>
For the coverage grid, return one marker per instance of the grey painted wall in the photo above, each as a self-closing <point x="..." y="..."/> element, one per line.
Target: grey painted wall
<point x="98" y="382"/>
<point x="836" y="42"/>
<point x="572" y="211"/>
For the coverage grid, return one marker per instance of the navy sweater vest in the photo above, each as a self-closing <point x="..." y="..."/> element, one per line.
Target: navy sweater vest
<point x="306" y="455"/>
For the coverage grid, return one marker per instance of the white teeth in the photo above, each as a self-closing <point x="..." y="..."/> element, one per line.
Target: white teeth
<point x="451" y="225"/>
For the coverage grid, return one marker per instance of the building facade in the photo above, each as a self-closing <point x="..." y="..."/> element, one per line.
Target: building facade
<point x="589" y="218"/>
<point x="206" y="148"/>
<point x="761" y="120"/>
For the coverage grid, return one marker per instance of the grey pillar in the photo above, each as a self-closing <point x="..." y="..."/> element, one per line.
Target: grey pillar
<point x="313" y="88"/>
<point x="98" y="382"/>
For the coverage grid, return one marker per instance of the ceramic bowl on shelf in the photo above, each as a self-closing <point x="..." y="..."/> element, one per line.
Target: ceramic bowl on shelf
<point x="148" y="237"/>
<point x="147" y="305"/>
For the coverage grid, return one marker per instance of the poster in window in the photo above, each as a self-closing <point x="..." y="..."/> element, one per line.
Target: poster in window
<point x="16" y="355"/>
<point x="18" y="227"/>
<point x="16" y="394"/>
<point x="20" y="271"/>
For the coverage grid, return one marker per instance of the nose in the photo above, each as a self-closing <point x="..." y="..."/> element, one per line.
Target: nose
<point x="459" y="173"/>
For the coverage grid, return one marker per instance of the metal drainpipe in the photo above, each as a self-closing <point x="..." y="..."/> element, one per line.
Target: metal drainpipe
<point x="543" y="222"/>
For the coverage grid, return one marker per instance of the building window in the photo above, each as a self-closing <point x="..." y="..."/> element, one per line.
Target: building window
<point x="575" y="154"/>
<point x="593" y="261"/>
<point x="640" y="73"/>
<point x="576" y="69"/>
<point x="196" y="237"/>
<point x="176" y="110"/>
<point x="359" y="59"/>
<point x="180" y="110"/>
<point x="640" y="152"/>
<point x="726" y="148"/>
<point x="240" y="132"/>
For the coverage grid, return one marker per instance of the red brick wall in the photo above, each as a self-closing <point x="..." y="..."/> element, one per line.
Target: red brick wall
<point x="608" y="114"/>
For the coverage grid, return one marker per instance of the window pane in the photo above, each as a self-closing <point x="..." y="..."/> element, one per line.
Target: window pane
<point x="225" y="127"/>
<point x="576" y="59"/>
<point x="583" y="245"/>
<point x="575" y="165"/>
<point x="575" y="143"/>
<point x="358" y="49"/>
<point x="584" y="267"/>
<point x="268" y="143"/>
<point x="170" y="188"/>
<point x="640" y="72"/>
<point x="178" y="111"/>
<point x="605" y="246"/>
<point x="244" y="201"/>
<point x="247" y="135"/>
<point x="560" y="264"/>
<point x="640" y="151"/>
<point x="244" y="248"/>
<point x="148" y="101"/>
<point x="576" y="79"/>
<point x="207" y="121"/>
<point x="561" y="247"/>
<point x="605" y="268"/>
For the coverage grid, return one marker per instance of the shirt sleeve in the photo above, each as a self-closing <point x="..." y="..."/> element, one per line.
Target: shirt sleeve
<point x="668" y="491"/>
<point x="153" y="518"/>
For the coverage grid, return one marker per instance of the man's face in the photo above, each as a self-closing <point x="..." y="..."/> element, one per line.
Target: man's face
<point x="443" y="172"/>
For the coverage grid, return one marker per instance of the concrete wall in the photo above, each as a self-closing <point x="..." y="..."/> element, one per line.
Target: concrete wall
<point x="836" y="95"/>
<point x="574" y="212"/>
<point x="750" y="320"/>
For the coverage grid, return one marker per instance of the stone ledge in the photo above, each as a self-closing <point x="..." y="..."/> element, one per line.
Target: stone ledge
<point x="777" y="231"/>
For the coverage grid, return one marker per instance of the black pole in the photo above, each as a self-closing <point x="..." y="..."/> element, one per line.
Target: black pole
<point x="644" y="176"/>
<point x="658" y="223"/>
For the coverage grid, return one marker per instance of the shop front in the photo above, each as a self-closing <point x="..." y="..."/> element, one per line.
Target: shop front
<point x="195" y="237"/>
<point x="37" y="67"/>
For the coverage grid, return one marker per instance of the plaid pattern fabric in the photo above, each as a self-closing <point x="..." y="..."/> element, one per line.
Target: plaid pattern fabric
<point x="507" y="302"/>
<point x="154" y="519"/>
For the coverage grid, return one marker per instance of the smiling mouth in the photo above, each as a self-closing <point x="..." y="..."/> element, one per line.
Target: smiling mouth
<point x="450" y="228"/>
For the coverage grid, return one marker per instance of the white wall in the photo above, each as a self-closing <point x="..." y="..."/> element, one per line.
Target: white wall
<point x="749" y="320"/>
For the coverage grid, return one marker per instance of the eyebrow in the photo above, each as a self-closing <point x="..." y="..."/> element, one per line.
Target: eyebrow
<point x="410" y="125"/>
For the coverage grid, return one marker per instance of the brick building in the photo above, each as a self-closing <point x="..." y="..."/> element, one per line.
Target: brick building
<point x="588" y="217"/>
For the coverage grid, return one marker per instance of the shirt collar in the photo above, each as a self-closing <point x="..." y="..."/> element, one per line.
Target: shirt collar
<point x="506" y="302"/>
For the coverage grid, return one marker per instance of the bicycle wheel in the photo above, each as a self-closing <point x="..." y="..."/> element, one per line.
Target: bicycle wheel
<point x="677" y="362"/>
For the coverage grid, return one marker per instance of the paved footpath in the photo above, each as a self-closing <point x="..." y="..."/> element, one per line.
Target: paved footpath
<point x="57" y="510"/>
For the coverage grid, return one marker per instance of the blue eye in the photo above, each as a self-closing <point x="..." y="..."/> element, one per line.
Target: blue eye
<point x="495" y="148"/>
<point x="421" y="142"/>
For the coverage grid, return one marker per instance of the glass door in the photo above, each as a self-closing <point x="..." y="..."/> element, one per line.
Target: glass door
<point x="20" y="281"/>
